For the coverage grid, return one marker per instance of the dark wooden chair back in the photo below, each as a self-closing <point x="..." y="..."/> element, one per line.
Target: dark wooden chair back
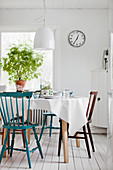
<point x="91" y="104"/>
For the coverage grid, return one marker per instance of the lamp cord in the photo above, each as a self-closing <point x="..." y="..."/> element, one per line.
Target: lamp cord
<point x="44" y="13"/>
<point x="42" y="18"/>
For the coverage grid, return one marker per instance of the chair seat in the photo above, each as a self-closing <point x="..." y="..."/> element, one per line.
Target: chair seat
<point x="20" y="126"/>
<point x="49" y="114"/>
<point x="48" y="127"/>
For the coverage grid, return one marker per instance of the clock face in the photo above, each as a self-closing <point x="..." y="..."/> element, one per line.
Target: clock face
<point x="76" y="38"/>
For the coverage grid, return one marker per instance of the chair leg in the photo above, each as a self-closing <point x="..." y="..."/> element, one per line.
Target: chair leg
<point x="90" y="136"/>
<point x="9" y="143"/>
<point x="3" y="137"/>
<point x="51" y="122"/>
<point x="68" y="128"/>
<point x="12" y="143"/>
<point x="27" y="149"/>
<point x="38" y="143"/>
<point x="8" y="140"/>
<point x="23" y="138"/>
<point x="4" y="146"/>
<point x="86" y="140"/>
<point x="60" y="139"/>
<point x="43" y="128"/>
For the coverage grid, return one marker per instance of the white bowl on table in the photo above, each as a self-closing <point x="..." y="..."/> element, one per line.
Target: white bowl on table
<point x="51" y="97"/>
<point x="45" y="92"/>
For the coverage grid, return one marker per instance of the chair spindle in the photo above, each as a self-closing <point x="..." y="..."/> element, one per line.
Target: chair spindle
<point x="23" y="111"/>
<point x="7" y="111"/>
<point x="2" y="116"/>
<point x="12" y="111"/>
<point x="4" y="111"/>
<point x="17" y="111"/>
<point x="28" y="111"/>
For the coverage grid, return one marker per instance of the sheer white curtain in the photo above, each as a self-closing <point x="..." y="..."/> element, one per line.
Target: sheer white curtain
<point x="47" y="67"/>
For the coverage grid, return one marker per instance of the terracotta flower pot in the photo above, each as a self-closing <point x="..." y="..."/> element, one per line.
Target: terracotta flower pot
<point x="20" y="85"/>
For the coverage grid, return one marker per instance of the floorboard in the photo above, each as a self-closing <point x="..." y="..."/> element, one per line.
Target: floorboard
<point x="78" y="158"/>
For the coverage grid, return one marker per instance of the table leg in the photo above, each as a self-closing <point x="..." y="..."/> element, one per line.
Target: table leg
<point x="65" y="141"/>
<point x="4" y="135"/>
<point x="78" y="141"/>
<point x="28" y="135"/>
<point x="28" y="130"/>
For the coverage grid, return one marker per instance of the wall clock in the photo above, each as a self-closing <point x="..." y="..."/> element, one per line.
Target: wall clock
<point x="76" y="38"/>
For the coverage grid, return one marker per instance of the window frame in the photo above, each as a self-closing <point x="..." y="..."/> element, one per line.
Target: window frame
<point x="56" y="52"/>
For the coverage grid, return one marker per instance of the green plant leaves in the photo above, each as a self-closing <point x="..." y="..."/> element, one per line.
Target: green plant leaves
<point x="22" y="62"/>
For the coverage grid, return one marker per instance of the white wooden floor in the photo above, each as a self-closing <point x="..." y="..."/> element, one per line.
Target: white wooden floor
<point x="78" y="159"/>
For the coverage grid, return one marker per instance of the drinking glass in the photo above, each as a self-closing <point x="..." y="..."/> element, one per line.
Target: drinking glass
<point x="66" y="93"/>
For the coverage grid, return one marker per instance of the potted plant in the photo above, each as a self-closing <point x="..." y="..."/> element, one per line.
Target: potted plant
<point x="46" y="88"/>
<point x="22" y="63"/>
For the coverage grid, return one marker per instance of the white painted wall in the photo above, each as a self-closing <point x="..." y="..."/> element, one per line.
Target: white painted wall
<point x="53" y="4"/>
<point x="73" y="64"/>
<point x="111" y="15"/>
<point x="110" y="43"/>
<point x="110" y="96"/>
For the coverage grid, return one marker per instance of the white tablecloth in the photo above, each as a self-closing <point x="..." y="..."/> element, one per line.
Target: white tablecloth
<point x="72" y="110"/>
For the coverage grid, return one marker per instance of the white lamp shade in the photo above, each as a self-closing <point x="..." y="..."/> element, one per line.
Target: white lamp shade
<point x="44" y="39"/>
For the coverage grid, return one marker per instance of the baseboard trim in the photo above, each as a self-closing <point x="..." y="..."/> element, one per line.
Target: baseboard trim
<point x="98" y="130"/>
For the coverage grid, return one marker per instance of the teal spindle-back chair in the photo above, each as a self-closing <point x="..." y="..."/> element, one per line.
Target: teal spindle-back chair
<point x="7" y="110"/>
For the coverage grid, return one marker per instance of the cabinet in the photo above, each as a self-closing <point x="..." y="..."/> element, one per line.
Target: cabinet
<point x="99" y="82"/>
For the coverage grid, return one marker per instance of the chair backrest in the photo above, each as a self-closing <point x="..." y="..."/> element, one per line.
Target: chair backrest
<point x="91" y="104"/>
<point x="8" y="109"/>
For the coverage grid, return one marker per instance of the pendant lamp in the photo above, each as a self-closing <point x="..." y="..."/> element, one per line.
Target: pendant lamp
<point x="44" y="38"/>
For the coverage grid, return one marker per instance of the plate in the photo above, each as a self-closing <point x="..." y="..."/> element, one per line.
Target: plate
<point x="51" y="97"/>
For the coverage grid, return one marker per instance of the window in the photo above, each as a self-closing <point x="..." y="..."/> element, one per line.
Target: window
<point x="47" y="67"/>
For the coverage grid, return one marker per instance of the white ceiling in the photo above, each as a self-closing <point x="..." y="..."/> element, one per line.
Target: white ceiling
<point x="52" y="4"/>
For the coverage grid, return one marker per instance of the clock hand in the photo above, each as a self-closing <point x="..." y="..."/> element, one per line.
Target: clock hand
<point x="76" y="39"/>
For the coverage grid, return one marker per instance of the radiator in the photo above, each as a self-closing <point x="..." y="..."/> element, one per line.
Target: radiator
<point x="37" y="117"/>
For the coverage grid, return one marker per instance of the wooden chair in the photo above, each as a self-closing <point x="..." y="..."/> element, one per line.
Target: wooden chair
<point x="16" y="120"/>
<point x="51" y="115"/>
<point x="8" y="125"/>
<point x="89" y="112"/>
<point x="2" y="133"/>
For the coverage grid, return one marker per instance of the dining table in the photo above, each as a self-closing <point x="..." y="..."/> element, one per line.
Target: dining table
<point x="70" y="110"/>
